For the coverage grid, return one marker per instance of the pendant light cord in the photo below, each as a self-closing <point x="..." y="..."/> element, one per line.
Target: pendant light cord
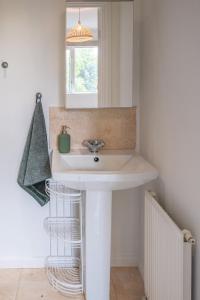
<point x="79" y="15"/>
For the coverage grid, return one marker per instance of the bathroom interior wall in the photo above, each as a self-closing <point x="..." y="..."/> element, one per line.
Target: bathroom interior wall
<point x="170" y="106"/>
<point x="32" y="41"/>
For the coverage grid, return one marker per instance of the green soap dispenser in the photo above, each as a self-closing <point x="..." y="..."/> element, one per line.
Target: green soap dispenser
<point x="64" y="140"/>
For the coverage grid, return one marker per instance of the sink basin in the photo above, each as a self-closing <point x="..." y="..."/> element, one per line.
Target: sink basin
<point x="90" y="162"/>
<point x="108" y="170"/>
<point x="100" y="174"/>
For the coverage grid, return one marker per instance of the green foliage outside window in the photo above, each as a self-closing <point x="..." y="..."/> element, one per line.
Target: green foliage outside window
<point x="85" y="76"/>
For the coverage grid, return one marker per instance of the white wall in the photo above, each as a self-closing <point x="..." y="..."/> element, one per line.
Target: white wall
<point x="170" y="108"/>
<point x="125" y="228"/>
<point x="32" y="41"/>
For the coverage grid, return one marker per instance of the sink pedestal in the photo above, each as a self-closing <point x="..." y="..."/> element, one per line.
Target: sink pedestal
<point x="98" y="244"/>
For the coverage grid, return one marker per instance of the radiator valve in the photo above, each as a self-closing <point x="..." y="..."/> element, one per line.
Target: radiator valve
<point x="188" y="238"/>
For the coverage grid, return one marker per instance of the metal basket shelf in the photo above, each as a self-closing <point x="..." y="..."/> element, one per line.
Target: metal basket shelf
<point x="66" y="229"/>
<point x="60" y="190"/>
<point x="65" y="274"/>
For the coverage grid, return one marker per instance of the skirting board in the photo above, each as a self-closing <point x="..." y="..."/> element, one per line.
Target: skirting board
<point x="141" y="269"/>
<point x="23" y="262"/>
<point x="124" y="261"/>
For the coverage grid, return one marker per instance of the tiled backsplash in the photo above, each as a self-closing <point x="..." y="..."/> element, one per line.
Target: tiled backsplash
<point x="116" y="126"/>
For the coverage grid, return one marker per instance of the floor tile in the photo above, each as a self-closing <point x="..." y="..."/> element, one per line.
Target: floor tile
<point x="9" y="279"/>
<point x="113" y="295"/>
<point x="32" y="284"/>
<point x="127" y="283"/>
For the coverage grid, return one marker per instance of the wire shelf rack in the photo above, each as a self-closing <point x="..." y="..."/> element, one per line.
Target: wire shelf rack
<point x="66" y="229"/>
<point x="64" y="226"/>
<point x="60" y="190"/>
<point x="65" y="274"/>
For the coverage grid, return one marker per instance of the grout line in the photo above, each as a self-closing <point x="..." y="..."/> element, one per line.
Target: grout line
<point x="18" y="284"/>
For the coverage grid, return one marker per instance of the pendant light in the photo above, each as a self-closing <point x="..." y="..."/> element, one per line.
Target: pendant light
<point x="79" y="33"/>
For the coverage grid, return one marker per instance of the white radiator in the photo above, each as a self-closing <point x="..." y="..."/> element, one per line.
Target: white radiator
<point x="168" y="255"/>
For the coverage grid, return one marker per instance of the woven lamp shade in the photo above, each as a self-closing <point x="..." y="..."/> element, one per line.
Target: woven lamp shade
<point x="79" y="34"/>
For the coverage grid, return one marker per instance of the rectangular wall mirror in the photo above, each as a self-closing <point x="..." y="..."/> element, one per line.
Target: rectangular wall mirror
<point x="99" y="54"/>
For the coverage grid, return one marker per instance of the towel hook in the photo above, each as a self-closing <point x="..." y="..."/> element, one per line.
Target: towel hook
<point x="4" y="64"/>
<point x="38" y="97"/>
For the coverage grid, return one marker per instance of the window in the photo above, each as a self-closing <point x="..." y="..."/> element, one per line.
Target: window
<point x="82" y="59"/>
<point x="82" y="69"/>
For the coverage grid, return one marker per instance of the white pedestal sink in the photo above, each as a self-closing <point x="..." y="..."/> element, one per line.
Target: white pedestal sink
<point x="99" y="175"/>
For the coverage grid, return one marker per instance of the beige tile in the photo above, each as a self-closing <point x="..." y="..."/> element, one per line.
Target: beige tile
<point x="116" y="126"/>
<point x="127" y="297"/>
<point x="34" y="275"/>
<point x="127" y="283"/>
<point x="113" y="295"/>
<point x="56" y="296"/>
<point x="34" y="285"/>
<point x="9" y="279"/>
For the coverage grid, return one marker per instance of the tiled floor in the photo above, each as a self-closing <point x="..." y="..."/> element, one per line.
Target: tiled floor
<point x="32" y="284"/>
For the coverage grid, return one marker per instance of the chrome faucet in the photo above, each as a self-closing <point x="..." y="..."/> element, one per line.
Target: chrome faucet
<point x="93" y="145"/>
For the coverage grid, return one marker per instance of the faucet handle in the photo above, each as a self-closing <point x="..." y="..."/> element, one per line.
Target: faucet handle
<point x="93" y="145"/>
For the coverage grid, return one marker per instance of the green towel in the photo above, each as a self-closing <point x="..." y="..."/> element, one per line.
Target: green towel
<point x="35" y="165"/>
